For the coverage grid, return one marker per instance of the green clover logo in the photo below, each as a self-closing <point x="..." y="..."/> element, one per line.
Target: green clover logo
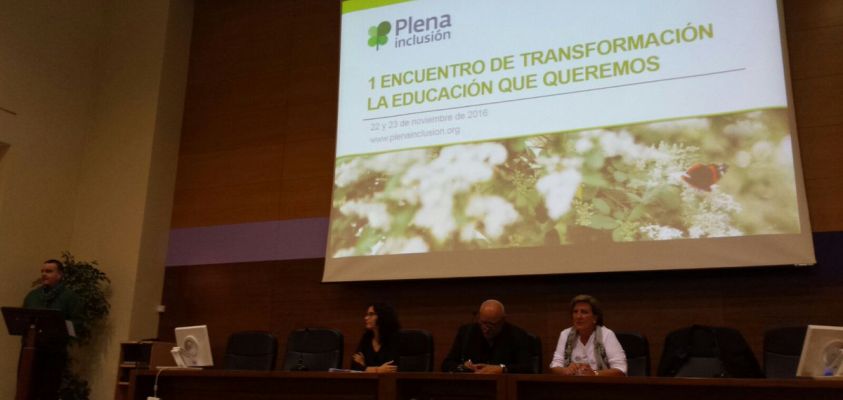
<point x="377" y="34"/>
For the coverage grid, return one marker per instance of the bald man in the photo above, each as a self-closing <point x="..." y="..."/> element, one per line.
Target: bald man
<point x="489" y="346"/>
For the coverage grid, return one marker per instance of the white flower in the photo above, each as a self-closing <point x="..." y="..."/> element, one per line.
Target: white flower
<point x="558" y="190"/>
<point x="762" y="150"/>
<point x="386" y="163"/>
<point x="744" y="128"/>
<point x="709" y="214"/>
<point x="743" y="159"/>
<point x="346" y="252"/>
<point x="623" y="144"/>
<point x="681" y="125"/>
<point x="659" y="232"/>
<point x="615" y="144"/>
<point x="411" y="245"/>
<point x="375" y="213"/>
<point x="348" y="172"/>
<point x="454" y="171"/>
<point x="495" y="213"/>
<point x="396" y="162"/>
<point x="784" y="152"/>
<point x="438" y="217"/>
<point x="583" y="145"/>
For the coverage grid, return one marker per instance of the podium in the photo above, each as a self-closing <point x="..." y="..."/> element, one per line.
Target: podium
<point x="40" y="329"/>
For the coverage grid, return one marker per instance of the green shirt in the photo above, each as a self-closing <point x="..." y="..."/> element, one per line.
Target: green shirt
<point x="56" y="298"/>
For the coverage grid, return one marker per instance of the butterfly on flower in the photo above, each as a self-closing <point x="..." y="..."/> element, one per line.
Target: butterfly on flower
<point x="702" y="176"/>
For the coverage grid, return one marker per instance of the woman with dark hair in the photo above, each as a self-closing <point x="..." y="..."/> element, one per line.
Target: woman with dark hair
<point x="378" y="349"/>
<point x="588" y="348"/>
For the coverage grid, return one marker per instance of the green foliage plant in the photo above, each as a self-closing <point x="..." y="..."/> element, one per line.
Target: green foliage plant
<point x="91" y="285"/>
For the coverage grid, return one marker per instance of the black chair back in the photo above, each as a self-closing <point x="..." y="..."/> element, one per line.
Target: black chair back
<point x="637" y="350"/>
<point x="313" y="349"/>
<point x="251" y="350"/>
<point x="706" y="352"/>
<point x="416" y="351"/>
<point x="782" y="349"/>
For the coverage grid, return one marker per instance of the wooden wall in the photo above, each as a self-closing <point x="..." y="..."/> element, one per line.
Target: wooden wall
<point x="258" y="142"/>
<point x="815" y="42"/>
<point x="280" y="296"/>
<point x="260" y="114"/>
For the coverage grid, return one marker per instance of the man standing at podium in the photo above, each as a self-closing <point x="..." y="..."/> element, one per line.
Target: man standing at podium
<point x="51" y="358"/>
<point x="52" y="293"/>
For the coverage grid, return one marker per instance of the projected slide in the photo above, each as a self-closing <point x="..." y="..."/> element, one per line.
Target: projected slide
<point x="489" y="137"/>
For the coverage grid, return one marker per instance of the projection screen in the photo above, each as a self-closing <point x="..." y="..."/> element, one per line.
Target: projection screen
<point x="482" y="138"/>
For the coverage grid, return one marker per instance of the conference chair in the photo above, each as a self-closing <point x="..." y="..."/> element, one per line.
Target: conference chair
<point x="313" y="349"/>
<point x="637" y="350"/>
<point x="416" y="351"/>
<point x="251" y="350"/>
<point x="708" y="352"/>
<point x="782" y="348"/>
<point x="535" y="353"/>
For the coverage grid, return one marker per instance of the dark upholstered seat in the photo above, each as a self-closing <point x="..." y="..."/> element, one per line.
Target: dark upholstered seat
<point x="416" y="351"/>
<point x="637" y="350"/>
<point x="251" y="350"/>
<point x="313" y="349"/>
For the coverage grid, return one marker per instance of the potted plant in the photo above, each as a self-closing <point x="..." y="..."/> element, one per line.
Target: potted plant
<point x="91" y="285"/>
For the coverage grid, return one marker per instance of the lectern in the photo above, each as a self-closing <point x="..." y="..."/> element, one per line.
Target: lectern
<point x="41" y="329"/>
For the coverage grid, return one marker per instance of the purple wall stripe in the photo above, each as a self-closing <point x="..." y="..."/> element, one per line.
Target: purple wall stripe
<point x="259" y="241"/>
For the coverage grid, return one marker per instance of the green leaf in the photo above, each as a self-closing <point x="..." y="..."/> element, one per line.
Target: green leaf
<point x="384" y="28"/>
<point x="603" y="222"/>
<point x="636" y="213"/>
<point x="602" y="206"/>
<point x="670" y="198"/>
<point x="562" y="229"/>
<point x="618" y="234"/>
<point x="634" y="197"/>
<point x="402" y="220"/>
<point x="368" y="238"/>
<point x="595" y="180"/>
<point x="594" y="161"/>
<point x="90" y="285"/>
<point x="373" y="31"/>
<point x="620" y="176"/>
<point x="381" y="40"/>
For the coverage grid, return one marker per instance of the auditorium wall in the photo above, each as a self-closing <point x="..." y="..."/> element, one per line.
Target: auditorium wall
<point x="257" y="150"/>
<point x="95" y="89"/>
